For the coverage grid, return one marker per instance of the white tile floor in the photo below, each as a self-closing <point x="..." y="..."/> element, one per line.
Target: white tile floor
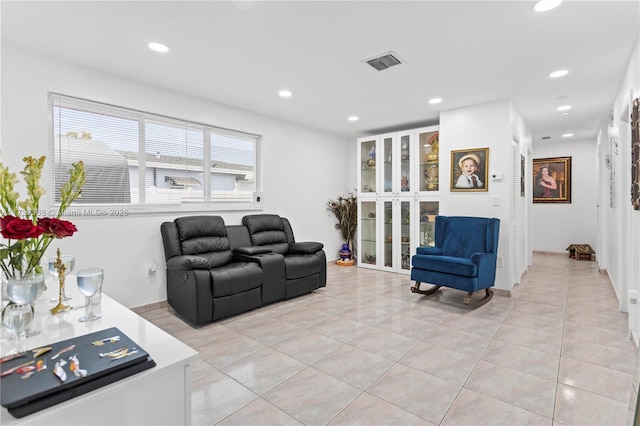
<point x="365" y="350"/>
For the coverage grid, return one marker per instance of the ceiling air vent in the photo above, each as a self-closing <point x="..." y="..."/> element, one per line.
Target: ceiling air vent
<point x="384" y="61"/>
<point x="544" y="138"/>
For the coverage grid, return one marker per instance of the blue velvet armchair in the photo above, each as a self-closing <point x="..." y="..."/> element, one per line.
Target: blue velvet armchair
<point x="464" y="257"/>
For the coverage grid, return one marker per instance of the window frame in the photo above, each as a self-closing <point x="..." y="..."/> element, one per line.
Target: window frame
<point x="139" y="207"/>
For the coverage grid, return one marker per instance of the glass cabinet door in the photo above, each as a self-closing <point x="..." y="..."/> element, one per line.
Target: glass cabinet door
<point x="387" y="162"/>
<point x="405" y="162"/>
<point x="388" y="234"/>
<point x="428" y="212"/>
<point x="368" y="166"/>
<point x="368" y="229"/>
<point x="429" y="153"/>
<point x="397" y="234"/>
<point x="405" y="235"/>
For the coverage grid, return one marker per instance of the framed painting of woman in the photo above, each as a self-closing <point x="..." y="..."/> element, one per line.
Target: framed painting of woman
<point x="552" y="180"/>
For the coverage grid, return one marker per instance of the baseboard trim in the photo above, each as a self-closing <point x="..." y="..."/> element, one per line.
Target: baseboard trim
<point x="549" y="253"/>
<point x="150" y="307"/>
<point x="502" y="292"/>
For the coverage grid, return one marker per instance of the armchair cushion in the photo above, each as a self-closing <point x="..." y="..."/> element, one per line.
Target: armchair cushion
<point x="446" y="264"/>
<point x="267" y="230"/>
<point x="299" y="266"/>
<point x="205" y="236"/>
<point x="235" y="278"/>
<point x="463" y="239"/>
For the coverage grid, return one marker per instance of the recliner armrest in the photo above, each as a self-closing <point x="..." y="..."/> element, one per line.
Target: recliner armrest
<point x="437" y="251"/>
<point x="252" y="250"/>
<point x="187" y="263"/>
<point x="307" y="247"/>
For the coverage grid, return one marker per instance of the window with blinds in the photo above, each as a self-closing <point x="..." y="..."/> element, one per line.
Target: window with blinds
<point x="137" y="158"/>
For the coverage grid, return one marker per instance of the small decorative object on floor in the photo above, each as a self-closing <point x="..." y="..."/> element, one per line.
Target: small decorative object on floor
<point x="345" y="256"/>
<point x="345" y="210"/>
<point x="581" y="252"/>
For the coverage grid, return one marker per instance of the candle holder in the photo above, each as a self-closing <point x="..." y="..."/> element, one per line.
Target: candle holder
<point x="61" y="269"/>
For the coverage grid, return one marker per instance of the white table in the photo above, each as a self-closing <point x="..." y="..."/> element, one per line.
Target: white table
<point x="159" y="396"/>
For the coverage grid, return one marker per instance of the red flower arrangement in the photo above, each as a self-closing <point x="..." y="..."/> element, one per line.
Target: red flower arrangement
<point x="28" y="235"/>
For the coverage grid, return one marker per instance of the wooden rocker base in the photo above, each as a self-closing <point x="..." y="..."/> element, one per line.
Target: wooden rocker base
<point x="467" y="300"/>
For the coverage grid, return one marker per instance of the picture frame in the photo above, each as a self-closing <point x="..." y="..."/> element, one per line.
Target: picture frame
<point x="554" y="184"/>
<point x="476" y="176"/>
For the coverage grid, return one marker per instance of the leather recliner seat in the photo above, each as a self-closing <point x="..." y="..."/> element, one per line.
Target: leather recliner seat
<point x="305" y="262"/>
<point x="215" y="271"/>
<point x="204" y="280"/>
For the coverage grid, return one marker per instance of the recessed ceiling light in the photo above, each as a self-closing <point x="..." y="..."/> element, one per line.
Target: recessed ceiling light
<point x="567" y="135"/>
<point x="564" y="108"/>
<point x="559" y="73"/>
<point x="544" y="5"/>
<point x="158" y="47"/>
<point x="434" y="101"/>
<point x="285" y="94"/>
<point x="353" y="118"/>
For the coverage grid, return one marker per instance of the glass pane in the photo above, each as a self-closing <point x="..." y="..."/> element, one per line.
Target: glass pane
<point x="428" y="213"/>
<point x="105" y="143"/>
<point x="405" y="234"/>
<point x="368" y="166"/>
<point x="405" y="164"/>
<point x="232" y="168"/>
<point x="429" y="157"/>
<point x="368" y="232"/>
<point x="174" y="161"/>
<point x="387" y="149"/>
<point x="388" y="234"/>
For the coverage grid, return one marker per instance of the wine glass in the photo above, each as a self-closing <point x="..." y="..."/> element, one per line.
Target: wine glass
<point x="69" y="263"/>
<point x="89" y="282"/>
<point x="16" y="319"/>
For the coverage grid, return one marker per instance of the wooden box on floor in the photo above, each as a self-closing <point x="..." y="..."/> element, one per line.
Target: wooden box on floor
<point x="581" y="252"/>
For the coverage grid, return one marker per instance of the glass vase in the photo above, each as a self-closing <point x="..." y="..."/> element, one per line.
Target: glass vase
<point x="25" y="291"/>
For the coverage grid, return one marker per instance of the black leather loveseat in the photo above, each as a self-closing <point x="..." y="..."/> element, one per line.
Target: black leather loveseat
<point x="215" y="271"/>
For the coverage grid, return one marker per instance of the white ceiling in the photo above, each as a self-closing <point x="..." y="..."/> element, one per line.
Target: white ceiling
<point x="466" y="52"/>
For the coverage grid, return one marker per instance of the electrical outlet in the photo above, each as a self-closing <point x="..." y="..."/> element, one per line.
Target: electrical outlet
<point x="151" y="269"/>
<point x="500" y="262"/>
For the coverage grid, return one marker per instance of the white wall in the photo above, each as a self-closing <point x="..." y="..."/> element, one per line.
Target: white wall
<point x="556" y="226"/>
<point x="302" y="168"/>
<point x="521" y="208"/>
<point x="480" y="126"/>
<point x="620" y="224"/>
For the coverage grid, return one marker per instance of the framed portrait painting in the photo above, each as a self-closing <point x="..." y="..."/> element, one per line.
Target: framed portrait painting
<point x="469" y="170"/>
<point x="552" y="180"/>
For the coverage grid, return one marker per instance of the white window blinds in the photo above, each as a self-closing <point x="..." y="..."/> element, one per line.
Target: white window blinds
<point x="138" y="158"/>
